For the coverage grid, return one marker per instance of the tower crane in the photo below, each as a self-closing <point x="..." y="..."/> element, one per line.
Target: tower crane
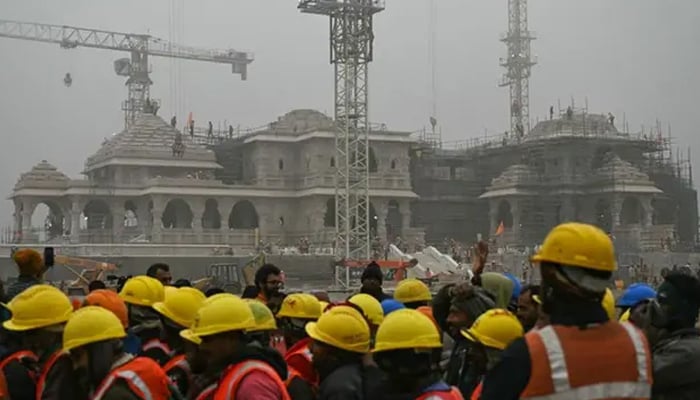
<point x="351" y="37"/>
<point x="518" y="64"/>
<point x="135" y="68"/>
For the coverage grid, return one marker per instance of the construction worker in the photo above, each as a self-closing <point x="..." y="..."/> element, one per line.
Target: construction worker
<point x="111" y="301"/>
<point x="340" y="341"/>
<point x="297" y="311"/>
<point x="632" y="303"/>
<point x="413" y="293"/>
<point x="160" y="271"/>
<point x="93" y="338"/>
<point x="31" y="269"/>
<point x="140" y="293"/>
<point x="268" y="281"/>
<point x="407" y="349"/>
<point x="371" y="308"/>
<point x="265" y="324"/>
<point x="670" y="325"/>
<point x="490" y="334"/>
<point x="177" y="312"/>
<point x="371" y="280"/>
<point x="204" y="382"/>
<point x="582" y="354"/>
<point x="528" y="310"/>
<point x="391" y="305"/>
<point x="246" y="373"/>
<point x="39" y="314"/>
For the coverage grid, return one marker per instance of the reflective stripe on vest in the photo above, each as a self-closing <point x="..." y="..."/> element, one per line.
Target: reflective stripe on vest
<point x="177" y="362"/>
<point x="208" y="392"/>
<point x="131" y="372"/>
<point x="132" y="378"/>
<point x="229" y="385"/>
<point x="45" y="372"/>
<point x="619" y="390"/>
<point x="156" y="344"/>
<point x="17" y="356"/>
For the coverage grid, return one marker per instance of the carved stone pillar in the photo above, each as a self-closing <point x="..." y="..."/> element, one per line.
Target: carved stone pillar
<point x="26" y="225"/>
<point x="615" y="210"/>
<point x="75" y="222"/>
<point x="157" y="224"/>
<point x="405" y="221"/>
<point x="648" y="212"/>
<point x="17" y="222"/>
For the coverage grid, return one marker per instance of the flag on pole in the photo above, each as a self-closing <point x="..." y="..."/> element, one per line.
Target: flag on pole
<point x="501" y="228"/>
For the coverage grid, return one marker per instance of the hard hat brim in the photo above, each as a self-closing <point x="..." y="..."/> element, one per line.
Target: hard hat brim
<point x="537" y="299"/>
<point x="188" y="335"/>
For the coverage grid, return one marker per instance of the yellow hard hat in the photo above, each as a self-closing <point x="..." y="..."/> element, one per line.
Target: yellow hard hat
<point x="625" y="316"/>
<point x="342" y="327"/>
<point x="300" y="305"/>
<point x="495" y="328"/>
<point x="264" y="320"/>
<point x="412" y="290"/>
<point x="578" y="245"/>
<point x="407" y="329"/>
<point x="143" y="291"/>
<point x="219" y="314"/>
<point x="91" y="324"/>
<point x="370" y="306"/>
<point x="189" y="336"/>
<point x="608" y="304"/>
<point x="180" y="305"/>
<point x="38" y="306"/>
<point x="323" y="304"/>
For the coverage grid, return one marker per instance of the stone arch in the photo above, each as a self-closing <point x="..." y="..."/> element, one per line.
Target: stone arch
<point x="329" y="216"/>
<point x="603" y="215"/>
<point x="504" y="214"/>
<point x="663" y="212"/>
<point x="97" y="215"/>
<point x="131" y="219"/>
<point x="211" y="218"/>
<point x="394" y="223"/>
<point x="632" y="211"/>
<point x="177" y="215"/>
<point x="243" y="216"/>
<point x="48" y="219"/>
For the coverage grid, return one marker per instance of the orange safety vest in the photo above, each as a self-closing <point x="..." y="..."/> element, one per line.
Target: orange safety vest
<point x="156" y="344"/>
<point x="452" y="394"/>
<point x="45" y="369"/>
<point x="476" y="394"/>
<point x="228" y="386"/>
<point x="144" y="376"/>
<point x="178" y="362"/>
<point x="607" y="361"/>
<point x="299" y="364"/>
<point x="208" y="392"/>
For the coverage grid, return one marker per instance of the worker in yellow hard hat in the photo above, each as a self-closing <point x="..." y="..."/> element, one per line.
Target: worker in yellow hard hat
<point x="140" y="293"/>
<point x="340" y="340"/>
<point x="265" y="324"/>
<point x="604" y="359"/>
<point x="298" y="310"/>
<point x="93" y="337"/>
<point x="371" y="308"/>
<point x="407" y="350"/>
<point x="413" y="293"/>
<point x="39" y="315"/>
<point x="177" y="312"/>
<point x="221" y="324"/>
<point x="490" y="334"/>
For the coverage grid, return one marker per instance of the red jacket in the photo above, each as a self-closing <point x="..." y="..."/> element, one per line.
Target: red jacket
<point x="144" y="376"/>
<point x="299" y="360"/>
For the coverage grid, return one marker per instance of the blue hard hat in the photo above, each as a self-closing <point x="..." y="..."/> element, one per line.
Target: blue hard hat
<point x="517" y="286"/>
<point x="391" y="305"/>
<point x="635" y="294"/>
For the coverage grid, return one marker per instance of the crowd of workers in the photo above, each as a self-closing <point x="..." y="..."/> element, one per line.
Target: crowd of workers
<point x="488" y="339"/>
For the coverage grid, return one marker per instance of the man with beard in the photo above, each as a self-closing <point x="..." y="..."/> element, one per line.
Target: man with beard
<point x="268" y="281"/>
<point x="246" y="372"/>
<point x="528" y="309"/>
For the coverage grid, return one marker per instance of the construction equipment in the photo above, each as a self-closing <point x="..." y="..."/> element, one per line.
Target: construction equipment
<point x="91" y="270"/>
<point x="136" y="69"/>
<point x="351" y="37"/>
<point x="518" y="64"/>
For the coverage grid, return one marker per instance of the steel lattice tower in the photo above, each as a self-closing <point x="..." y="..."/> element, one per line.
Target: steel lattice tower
<point x="518" y="65"/>
<point x="351" y="43"/>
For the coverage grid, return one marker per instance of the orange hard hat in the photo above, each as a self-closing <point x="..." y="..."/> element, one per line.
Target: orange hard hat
<point x="428" y="312"/>
<point x="111" y="301"/>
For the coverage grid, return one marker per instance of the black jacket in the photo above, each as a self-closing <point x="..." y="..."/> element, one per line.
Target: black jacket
<point x="350" y="382"/>
<point x="676" y="362"/>
<point x="21" y="384"/>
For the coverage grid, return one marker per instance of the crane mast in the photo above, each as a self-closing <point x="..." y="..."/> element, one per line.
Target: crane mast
<point x="351" y="45"/>
<point x="518" y="65"/>
<point x="139" y="46"/>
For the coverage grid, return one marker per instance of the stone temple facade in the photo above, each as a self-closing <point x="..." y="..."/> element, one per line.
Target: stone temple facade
<point x="575" y="168"/>
<point x="153" y="184"/>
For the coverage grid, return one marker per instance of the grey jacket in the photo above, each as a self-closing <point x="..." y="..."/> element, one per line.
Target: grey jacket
<point x="676" y="363"/>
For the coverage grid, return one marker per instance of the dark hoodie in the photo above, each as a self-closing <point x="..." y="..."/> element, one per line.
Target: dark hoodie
<point x="373" y="271"/>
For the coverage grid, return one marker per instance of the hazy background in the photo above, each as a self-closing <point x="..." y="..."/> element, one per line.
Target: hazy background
<point x="637" y="57"/>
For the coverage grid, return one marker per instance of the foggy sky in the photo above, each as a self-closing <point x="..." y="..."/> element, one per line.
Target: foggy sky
<point x="637" y="57"/>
